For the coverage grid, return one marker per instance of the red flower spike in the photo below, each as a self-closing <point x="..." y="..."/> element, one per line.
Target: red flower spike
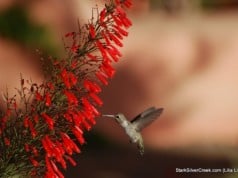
<point x="48" y="120"/>
<point x="67" y="101"/>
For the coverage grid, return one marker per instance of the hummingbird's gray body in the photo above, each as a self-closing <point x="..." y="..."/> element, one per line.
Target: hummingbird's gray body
<point x="134" y="127"/>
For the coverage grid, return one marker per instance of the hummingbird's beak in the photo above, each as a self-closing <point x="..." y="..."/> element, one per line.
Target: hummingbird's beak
<point x="105" y="115"/>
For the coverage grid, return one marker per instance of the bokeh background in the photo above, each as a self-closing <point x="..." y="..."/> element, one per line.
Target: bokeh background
<point x="181" y="55"/>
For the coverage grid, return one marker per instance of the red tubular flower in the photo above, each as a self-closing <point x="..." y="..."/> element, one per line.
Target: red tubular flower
<point x="113" y="54"/>
<point x="126" y="22"/>
<point x="36" y="119"/>
<point x="92" y="86"/>
<point x="92" y="57"/>
<point x="50" y="172"/>
<point x="74" y="48"/>
<point x="89" y="109"/>
<point x="102" y="15"/>
<point x="96" y="99"/>
<point x="27" y="147"/>
<point x="69" y="144"/>
<point x="77" y="118"/>
<point x="92" y="31"/>
<point x="68" y="117"/>
<point x="70" y="34"/>
<point x="56" y="170"/>
<point x="26" y="122"/>
<point x="108" y="69"/>
<point x="35" y="151"/>
<point x="71" y="160"/>
<point x="102" y="77"/>
<point x="89" y="115"/>
<point x="34" y="162"/>
<point x="47" y="99"/>
<point x="83" y="122"/>
<point x="47" y="145"/>
<point x="48" y="120"/>
<point x="73" y="78"/>
<point x="7" y="141"/>
<point x="72" y="99"/>
<point x="105" y="37"/>
<point x="120" y="30"/>
<point x="78" y="134"/>
<point x="65" y="78"/>
<point x="127" y="3"/>
<point x="38" y="96"/>
<point x="101" y="48"/>
<point x="32" y="129"/>
<point x="115" y="39"/>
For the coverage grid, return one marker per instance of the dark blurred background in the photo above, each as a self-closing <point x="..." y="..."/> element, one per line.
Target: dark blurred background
<point x="181" y="55"/>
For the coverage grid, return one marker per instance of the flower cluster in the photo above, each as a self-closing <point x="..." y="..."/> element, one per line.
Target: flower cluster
<point x="45" y="129"/>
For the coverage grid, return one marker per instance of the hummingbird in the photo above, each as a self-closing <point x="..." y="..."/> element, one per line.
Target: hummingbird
<point x="133" y="128"/>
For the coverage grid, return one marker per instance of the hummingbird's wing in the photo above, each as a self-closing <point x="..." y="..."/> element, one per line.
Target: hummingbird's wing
<point x="146" y="117"/>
